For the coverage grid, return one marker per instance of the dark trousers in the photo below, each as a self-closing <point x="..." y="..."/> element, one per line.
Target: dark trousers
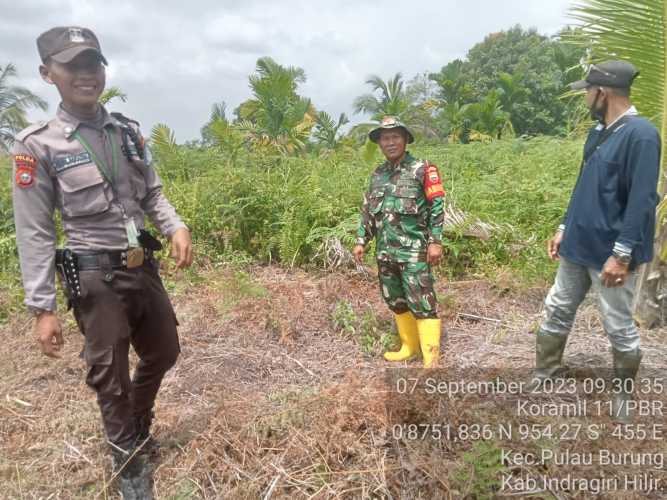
<point x="120" y="307"/>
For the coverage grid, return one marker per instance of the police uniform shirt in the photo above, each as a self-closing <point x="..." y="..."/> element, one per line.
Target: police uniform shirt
<point x="53" y="169"/>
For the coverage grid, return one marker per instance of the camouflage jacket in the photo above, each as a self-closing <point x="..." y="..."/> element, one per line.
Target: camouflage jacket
<point x="403" y="208"/>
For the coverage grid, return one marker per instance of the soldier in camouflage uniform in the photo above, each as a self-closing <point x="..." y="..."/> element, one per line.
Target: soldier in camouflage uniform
<point x="403" y="210"/>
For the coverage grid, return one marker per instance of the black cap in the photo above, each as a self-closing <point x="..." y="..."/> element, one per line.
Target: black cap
<point x="618" y="74"/>
<point x="62" y="44"/>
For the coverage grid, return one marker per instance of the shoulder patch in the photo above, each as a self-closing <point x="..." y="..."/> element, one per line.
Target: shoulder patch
<point x="29" y="130"/>
<point x="432" y="182"/>
<point x="25" y="170"/>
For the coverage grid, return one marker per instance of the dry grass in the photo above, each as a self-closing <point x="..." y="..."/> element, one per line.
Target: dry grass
<point x="269" y="401"/>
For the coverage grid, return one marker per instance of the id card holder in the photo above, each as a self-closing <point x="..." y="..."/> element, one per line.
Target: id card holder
<point x="135" y="254"/>
<point x="132" y="233"/>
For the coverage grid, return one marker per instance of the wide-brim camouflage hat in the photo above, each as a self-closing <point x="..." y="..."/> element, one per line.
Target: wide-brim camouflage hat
<point x="389" y="122"/>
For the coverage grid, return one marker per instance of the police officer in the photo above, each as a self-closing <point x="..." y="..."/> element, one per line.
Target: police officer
<point x="607" y="230"/>
<point x="403" y="210"/>
<point x="95" y="169"/>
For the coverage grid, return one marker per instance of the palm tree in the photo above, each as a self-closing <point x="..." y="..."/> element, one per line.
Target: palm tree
<point x="392" y="100"/>
<point x="455" y="117"/>
<point x="511" y="92"/>
<point x="14" y="103"/>
<point x="277" y="117"/>
<point x="326" y="129"/>
<point x="635" y="30"/>
<point x="218" y="114"/>
<point x="487" y="116"/>
<point x="218" y="132"/>
<point x="453" y="85"/>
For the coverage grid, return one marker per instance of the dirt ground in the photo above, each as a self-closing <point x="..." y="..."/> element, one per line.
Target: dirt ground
<point x="281" y="392"/>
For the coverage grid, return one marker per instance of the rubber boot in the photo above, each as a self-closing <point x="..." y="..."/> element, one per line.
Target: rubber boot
<point x="429" y="339"/>
<point x="626" y="366"/>
<point x="135" y="476"/>
<point x="407" y="332"/>
<point x="548" y="357"/>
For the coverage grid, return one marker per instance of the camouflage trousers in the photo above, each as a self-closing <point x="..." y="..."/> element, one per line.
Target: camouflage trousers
<point x="408" y="286"/>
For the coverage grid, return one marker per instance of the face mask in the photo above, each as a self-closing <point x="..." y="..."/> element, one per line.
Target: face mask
<point x="598" y="112"/>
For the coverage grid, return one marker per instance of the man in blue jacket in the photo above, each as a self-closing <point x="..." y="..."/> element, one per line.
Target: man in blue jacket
<point x="608" y="229"/>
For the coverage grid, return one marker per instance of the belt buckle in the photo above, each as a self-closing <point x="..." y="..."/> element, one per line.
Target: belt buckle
<point x="135" y="257"/>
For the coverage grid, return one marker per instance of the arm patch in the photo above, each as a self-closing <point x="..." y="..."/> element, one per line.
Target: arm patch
<point x="432" y="182"/>
<point x="25" y="170"/>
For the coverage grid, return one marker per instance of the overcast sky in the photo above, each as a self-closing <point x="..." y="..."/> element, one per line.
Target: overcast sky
<point x="174" y="59"/>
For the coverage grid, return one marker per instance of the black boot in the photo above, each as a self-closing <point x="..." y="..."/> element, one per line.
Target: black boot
<point x="135" y="476"/>
<point x="626" y="366"/>
<point x="548" y="357"/>
<point x="148" y="445"/>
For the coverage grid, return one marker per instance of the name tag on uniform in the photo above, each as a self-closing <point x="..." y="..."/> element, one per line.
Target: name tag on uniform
<point x="63" y="163"/>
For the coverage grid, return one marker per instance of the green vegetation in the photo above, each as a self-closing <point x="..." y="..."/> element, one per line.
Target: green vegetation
<point x="112" y="93"/>
<point x="366" y="328"/>
<point x="9" y="266"/>
<point x="276" y="118"/>
<point x="479" y="474"/>
<point x="516" y="76"/>
<point x="14" y="103"/>
<point x="281" y="181"/>
<point x="280" y="209"/>
<point x="277" y="209"/>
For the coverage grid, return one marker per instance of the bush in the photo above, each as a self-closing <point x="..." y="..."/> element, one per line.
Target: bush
<point x="278" y="209"/>
<point x="283" y="210"/>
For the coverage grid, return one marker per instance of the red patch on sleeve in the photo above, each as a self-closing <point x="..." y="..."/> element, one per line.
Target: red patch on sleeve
<point x="432" y="183"/>
<point x="25" y="170"/>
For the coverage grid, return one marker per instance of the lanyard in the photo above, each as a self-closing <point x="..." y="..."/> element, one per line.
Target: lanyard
<point x="604" y="135"/>
<point x="110" y="174"/>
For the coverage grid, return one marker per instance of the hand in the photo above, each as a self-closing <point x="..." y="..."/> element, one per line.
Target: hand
<point x="614" y="273"/>
<point x="358" y="253"/>
<point x="553" y="246"/>
<point x="434" y="253"/>
<point x="49" y="334"/>
<point x="181" y="248"/>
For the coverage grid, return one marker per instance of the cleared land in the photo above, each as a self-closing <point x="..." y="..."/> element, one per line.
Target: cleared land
<point x="281" y="392"/>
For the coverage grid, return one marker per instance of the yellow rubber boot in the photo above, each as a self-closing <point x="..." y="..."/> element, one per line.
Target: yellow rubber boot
<point x="429" y="338"/>
<point x="407" y="331"/>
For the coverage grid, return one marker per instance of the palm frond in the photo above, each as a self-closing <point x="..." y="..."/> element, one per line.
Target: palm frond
<point x="112" y="93"/>
<point x="633" y="30"/>
<point x="163" y="139"/>
<point x="366" y="103"/>
<point x="14" y="104"/>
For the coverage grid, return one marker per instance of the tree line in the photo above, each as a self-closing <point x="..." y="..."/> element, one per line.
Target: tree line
<point x="511" y="83"/>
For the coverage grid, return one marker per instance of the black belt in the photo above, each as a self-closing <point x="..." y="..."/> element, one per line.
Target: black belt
<point x="116" y="259"/>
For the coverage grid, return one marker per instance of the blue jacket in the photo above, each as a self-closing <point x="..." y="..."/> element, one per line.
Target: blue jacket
<point x="615" y="197"/>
